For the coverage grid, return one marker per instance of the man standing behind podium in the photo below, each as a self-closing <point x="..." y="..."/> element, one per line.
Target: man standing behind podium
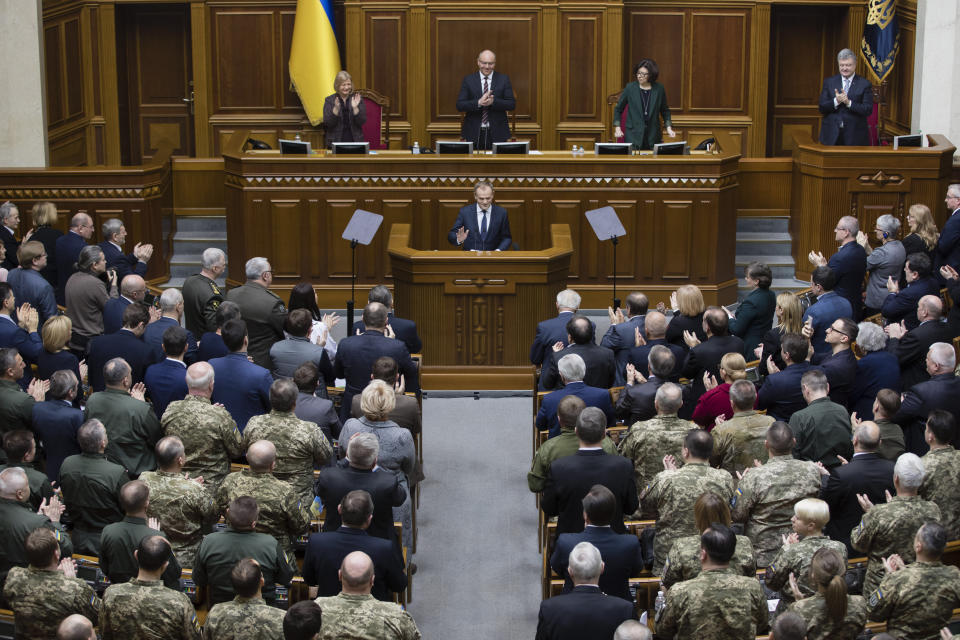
<point x="845" y="102"/>
<point x="486" y="97"/>
<point x="482" y="226"/>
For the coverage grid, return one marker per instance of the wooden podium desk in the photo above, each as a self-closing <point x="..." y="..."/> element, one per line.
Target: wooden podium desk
<point x="679" y="213"/>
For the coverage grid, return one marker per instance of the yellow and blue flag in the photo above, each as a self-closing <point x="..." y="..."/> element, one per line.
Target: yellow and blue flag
<point x="881" y="38"/>
<point x="314" y="57"/>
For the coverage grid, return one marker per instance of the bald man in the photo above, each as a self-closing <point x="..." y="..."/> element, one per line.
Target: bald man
<point x="76" y="627"/>
<point x="68" y="247"/>
<point x="486" y="97"/>
<point x="133" y="288"/>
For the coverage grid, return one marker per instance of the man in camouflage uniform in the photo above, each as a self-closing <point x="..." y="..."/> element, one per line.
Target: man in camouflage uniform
<point x="673" y="492"/>
<point x="247" y="611"/>
<point x="282" y="514"/>
<point x="648" y="442"/>
<point x="262" y="310"/>
<point x="917" y="600"/>
<point x="565" y="444"/>
<point x="717" y="604"/>
<point x="208" y="433"/>
<point x="202" y="295"/>
<point x="357" y="614"/>
<point x="941" y="466"/>
<point x="21" y="449"/>
<point x="185" y="509"/>
<point x="47" y="591"/>
<point x="765" y="496"/>
<point x="300" y="445"/>
<point x="737" y="442"/>
<point x="890" y="528"/>
<point x="143" y="608"/>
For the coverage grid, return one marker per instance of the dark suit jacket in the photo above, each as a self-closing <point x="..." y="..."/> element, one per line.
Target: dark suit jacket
<point x="113" y="314"/>
<point x="405" y="330"/>
<point x="243" y="387"/>
<point x="706" y="356"/>
<point x="639" y="357"/>
<point x="754" y="317"/>
<point x="48" y="236"/>
<point x="841" y="370"/>
<point x="56" y="423"/>
<point x="326" y="551"/>
<point x="876" y="370"/>
<point x="853" y="118"/>
<point x="599" y="361"/>
<point x="780" y="394"/>
<point x="903" y="305"/>
<point x="166" y="382"/>
<point x="585" y="613"/>
<point x="355" y="358"/>
<point x="382" y="485"/>
<point x="911" y="350"/>
<point x="334" y="126"/>
<point x="622" y="338"/>
<point x="11" y="245"/>
<point x="153" y="336"/>
<point x="592" y="397"/>
<point x="13" y="336"/>
<point x="948" y="246"/>
<point x="953" y="318"/>
<point x="570" y="479"/>
<point x="122" y="344"/>
<point x="503" y="100"/>
<point x="939" y="392"/>
<point x="622" y="556"/>
<point x="549" y="332"/>
<point x="498" y="229"/>
<point x="680" y="323"/>
<point x="124" y="263"/>
<point x="636" y="400"/>
<point x="69" y="246"/>
<point x="866" y="473"/>
<point x="211" y="346"/>
<point x="849" y="264"/>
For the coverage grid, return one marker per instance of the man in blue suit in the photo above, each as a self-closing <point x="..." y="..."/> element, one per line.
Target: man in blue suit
<point x="171" y="309"/>
<point x="114" y="234"/>
<point x="21" y="336"/>
<point x="828" y="307"/>
<point x="405" y="330"/>
<point x="245" y="387"/>
<point x="781" y="394"/>
<point x="902" y="304"/>
<point x="68" y="248"/>
<point x="126" y="343"/>
<point x="621" y="335"/>
<point x="132" y="289"/>
<point x="167" y="380"/>
<point x="948" y="245"/>
<point x="554" y="330"/>
<point x="483" y="226"/>
<point x="622" y="552"/>
<point x="845" y="102"/>
<point x="56" y="421"/>
<point x="572" y="370"/>
<point x="849" y="264"/>
<point x="486" y="97"/>
<point x="29" y="285"/>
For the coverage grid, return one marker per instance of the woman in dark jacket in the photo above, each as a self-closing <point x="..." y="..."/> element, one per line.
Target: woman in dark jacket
<point x="344" y="112"/>
<point x="44" y="220"/>
<point x="755" y="315"/>
<point x="647" y="102"/>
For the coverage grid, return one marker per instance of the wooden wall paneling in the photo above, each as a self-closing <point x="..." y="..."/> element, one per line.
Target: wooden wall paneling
<point x="718" y="79"/>
<point x="628" y="262"/>
<point x="245" y="73"/>
<point x="897" y="113"/>
<point x="581" y="91"/>
<point x="288" y="237"/>
<point x="385" y="70"/>
<point x="198" y="186"/>
<point x="73" y="69"/>
<point x="93" y="79"/>
<point x="289" y="100"/>
<point x="53" y="72"/>
<point x="674" y="247"/>
<point x="643" y="243"/>
<point x="765" y="185"/>
<point x="394" y="211"/>
<point x="548" y="112"/>
<point x="106" y="45"/>
<point x="202" y="75"/>
<point x="337" y="213"/>
<point x="570" y="212"/>
<point x="759" y="79"/>
<point x="659" y="34"/>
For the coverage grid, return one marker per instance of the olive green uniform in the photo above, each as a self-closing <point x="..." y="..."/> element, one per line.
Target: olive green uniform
<point x="561" y="446"/>
<point x="132" y="429"/>
<point x="220" y="551"/>
<point x="119" y="540"/>
<point x="201" y="299"/>
<point x="91" y="490"/>
<point x="17" y="521"/>
<point x="265" y="314"/>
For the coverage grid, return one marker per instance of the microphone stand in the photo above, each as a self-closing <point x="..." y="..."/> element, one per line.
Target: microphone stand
<point x="353" y="285"/>
<point x="616" y="300"/>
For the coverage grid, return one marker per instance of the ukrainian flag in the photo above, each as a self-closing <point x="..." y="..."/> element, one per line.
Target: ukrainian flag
<point x="881" y="38"/>
<point x="314" y="57"/>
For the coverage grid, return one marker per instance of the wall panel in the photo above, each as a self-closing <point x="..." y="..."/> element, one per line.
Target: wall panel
<point x="718" y="65"/>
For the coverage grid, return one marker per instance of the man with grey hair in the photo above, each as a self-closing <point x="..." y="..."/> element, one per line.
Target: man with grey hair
<point x="636" y="401"/>
<point x="877" y="369"/>
<point x="9" y="223"/>
<point x="132" y="426"/>
<point x="572" y="369"/>
<point x="171" y="315"/>
<point x="889" y="527"/>
<point x="883" y="262"/>
<point x="822" y="429"/>
<point x="114" y="235"/>
<point x="911" y="346"/>
<point x="948" y="245"/>
<point x="201" y="293"/>
<point x="585" y="613"/>
<point x="554" y="330"/>
<point x="68" y="247"/>
<point x="845" y="102"/>
<point x="56" y="420"/>
<point x="941" y="391"/>
<point x="849" y="263"/>
<point x="901" y="304"/>
<point x="133" y="288"/>
<point x="85" y="296"/>
<point x="262" y="310"/>
<point x="405" y="330"/>
<point x="632" y="630"/>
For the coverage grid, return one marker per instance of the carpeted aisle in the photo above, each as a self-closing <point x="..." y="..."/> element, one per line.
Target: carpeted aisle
<point x="478" y="564"/>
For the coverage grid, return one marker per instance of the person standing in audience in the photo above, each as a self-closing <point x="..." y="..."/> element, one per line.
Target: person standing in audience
<point x="585" y="613"/>
<point x="133" y="289"/>
<point x="22" y="332"/>
<point x="645" y="104"/>
<point x="262" y="310"/>
<point x="845" y="103"/>
<point x="829" y="306"/>
<point x="717" y="603"/>
<point x="247" y="614"/>
<point x="632" y="630"/>
<point x="755" y="313"/>
<point x="29" y="285"/>
<point x="789" y="320"/>
<point x="782" y="393"/>
<point x="76" y="627"/>
<point x="115" y="234"/>
<point x="923" y="234"/>
<point x="406" y="412"/>
<point x="68" y="250"/>
<point x="941" y="391"/>
<point x="911" y="346"/>
<point x="44" y="215"/>
<point x="886" y="405"/>
<point x="877" y="369"/>
<point x="655" y="325"/>
<point x="302" y="296"/>
<point x="201" y="293"/>
<point x="344" y="112"/>
<point x="21" y="450"/>
<point x="621" y="334"/>
<point x="318" y="409"/>
<point x="715" y="402"/>
<point x="296" y="349"/>
<point x="883" y="263"/>
<point x="554" y="330"/>
<point x="901" y="304"/>
<point x="790" y="626"/>
<point x="245" y="386"/>
<point x="599" y="361"/>
<point x="211" y="343"/>
<point x="849" y="264"/>
<point x="829" y="612"/>
<point x="171" y="310"/>
<point x="688" y="307"/>
<point x="737" y="442"/>
<point x="840" y="365"/>
<point x="127" y="344"/>
<point x="572" y="371"/>
<point x="704" y="357"/>
<point x="948" y="245"/>
<point x="16" y="406"/>
<point x="56" y="421"/>
<point x="941" y="465"/>
<point x="166" y="380"/>
<point x="9" y="224"/>
<point x="822" y="429"/>
<point x="86" y="294"/>
<point x="637" y="400"/>
<point x="403" y="329"/>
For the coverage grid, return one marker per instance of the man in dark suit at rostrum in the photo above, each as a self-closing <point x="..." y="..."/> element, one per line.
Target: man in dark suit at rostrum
<point x="356" y="355"/>
<point x="866" y="473"/>
<point x="326" y="551"/>
<point x="941" y="391"/>
<point x="781" y="394"/>
<point x="622" y="552"/>
<point x="586" y="613"/>
<point x="911" y="347"/>
<point x="486" y="97"/>
<point x="403" y="329"/>
<point x="571" y="372"/>
<point x="126" y="343"/>
<point x="621" y="334"/>
<point x="68" y="247"/>
<point x="706" y="356"/>
<point x="598" y="360"/>
<point x="382" y="485"/>
<point x="845" y="102"/>
<point x="115" y="234"/>
<point x="572" y="477"/>
<point x="483" y="226"/>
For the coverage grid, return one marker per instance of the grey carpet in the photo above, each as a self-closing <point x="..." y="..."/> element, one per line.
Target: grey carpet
<point x="478" y="566"/>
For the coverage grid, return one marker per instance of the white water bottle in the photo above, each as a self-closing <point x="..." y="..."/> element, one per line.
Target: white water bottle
<point x="416" y="147"/>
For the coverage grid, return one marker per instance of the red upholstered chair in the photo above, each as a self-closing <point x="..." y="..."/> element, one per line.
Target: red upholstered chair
<point x="376" y="130"/>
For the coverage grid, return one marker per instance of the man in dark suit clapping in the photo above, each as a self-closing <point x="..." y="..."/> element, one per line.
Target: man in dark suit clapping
<point x="486" y="97"/>
<point x="845" y="102"/>
<point x="598" y="360"/>
<point x="941" y="391"/>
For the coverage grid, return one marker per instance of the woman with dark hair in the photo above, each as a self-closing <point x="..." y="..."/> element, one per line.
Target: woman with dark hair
<point x="830" y="613"/>
<point x="754" y="316"/>
<point x="303" y="296"/>
<point x="647" y="104"/>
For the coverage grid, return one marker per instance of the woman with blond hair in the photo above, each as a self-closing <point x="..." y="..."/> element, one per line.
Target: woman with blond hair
<point x="688" y="307"/>
<point x="344" y="112"/>
<point x="830" y="613"/>
<point x="923" y="234"/>
<point x="789" y="320"/>
<point x="55" y="355"/>
<point x="44" y="216"/>
<point x="716" y="401"/>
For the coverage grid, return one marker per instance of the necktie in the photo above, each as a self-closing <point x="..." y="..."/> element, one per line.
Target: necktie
<point x="484" y="116"/>
<point x="483" y="222"/>
<point x="846" y="85"/>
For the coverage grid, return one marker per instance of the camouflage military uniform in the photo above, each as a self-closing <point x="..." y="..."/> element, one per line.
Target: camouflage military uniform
<point x="185" y="509"/>
<point x="244" y="619"/>
<point x="201" y="299"/>
<point x="717" y="604"/>
<point x="647" y="442"/>
<point x="890" y="528"/>
<point x="210" y="437"/>
<point x="739" y="441"/>
<point x="819" y="625"/>
<point x="282" y="514"/>
<point x="941" y="480"/>
<point x="300" y="445"/>
<point x="364" y="618"/>
<point x="765" y="497"/>
<point x="916" y="601"/>
<point x="683" y="561"/>
<point x="145" y="610"/>
<point x="795" y="559"/>
<point x="891" y="440"/>
<point x="561" y="446"/>
<point x="671" y="496"/>
<point x="40" y="599"/>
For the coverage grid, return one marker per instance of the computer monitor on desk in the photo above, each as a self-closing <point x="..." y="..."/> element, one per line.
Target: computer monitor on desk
<point x="295" y="147"/>
<point x="356" y="148"/>
<point x="515" y="147"/>
<point x="461" y="147"/>
<point x="671" y="149"/>
<point x="612" y="148"/>
<point x="913" y="140"/>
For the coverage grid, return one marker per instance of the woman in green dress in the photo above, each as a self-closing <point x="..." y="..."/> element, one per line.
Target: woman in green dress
<point x="648" y="103"/>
